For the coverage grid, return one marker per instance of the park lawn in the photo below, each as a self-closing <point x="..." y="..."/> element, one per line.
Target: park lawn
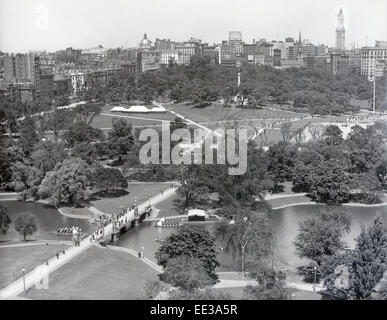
<point x="14" y="259"/>
<point x="105" y="121"/>
<point x="235" y="293"/>
<point x="98" y="273"/>
<point x="214" y="112"/>
<point x="138" y="192"/>
<point x="307" y="295"/>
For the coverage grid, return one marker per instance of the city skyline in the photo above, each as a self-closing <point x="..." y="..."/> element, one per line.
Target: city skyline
<point x="54" y="25"/>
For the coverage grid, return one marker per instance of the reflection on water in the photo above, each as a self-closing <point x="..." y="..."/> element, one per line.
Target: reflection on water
<point x="47" y="218"/>
<point x="283" y="222"/>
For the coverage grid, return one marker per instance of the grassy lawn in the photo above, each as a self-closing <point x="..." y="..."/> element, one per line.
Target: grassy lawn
<point x="218" y="113"/>
<point x="307" y="295"/>
<point x="105" y="121"/>
<point x="13" y="260"/>
<point x="138" y="192"/>
<point x="235" y="293"/>
<point x="98" y="274"/>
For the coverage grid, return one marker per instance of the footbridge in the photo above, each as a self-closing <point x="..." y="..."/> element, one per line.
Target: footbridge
<point x="104" y="234"/>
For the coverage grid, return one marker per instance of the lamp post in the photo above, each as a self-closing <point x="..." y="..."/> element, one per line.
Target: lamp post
<point x="243" y="243"/>
<point x="24" y="279"/>
<point x="315" y="276"/>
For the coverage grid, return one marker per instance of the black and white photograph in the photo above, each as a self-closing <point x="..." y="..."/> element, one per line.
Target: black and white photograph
<point x="207" y="150"/>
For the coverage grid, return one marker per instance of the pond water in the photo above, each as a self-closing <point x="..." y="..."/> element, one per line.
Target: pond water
<point x="285" y="222"/>
<point x="284" y="225"/>
<point x="47" y="218"/>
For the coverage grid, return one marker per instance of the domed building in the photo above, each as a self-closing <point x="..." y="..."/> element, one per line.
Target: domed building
<point x="145" y="43"/>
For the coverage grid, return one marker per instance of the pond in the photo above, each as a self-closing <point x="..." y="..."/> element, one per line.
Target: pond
<point x="284" y="225"/>
<point x="283" y="222"/>
<point x="47" y="218"/>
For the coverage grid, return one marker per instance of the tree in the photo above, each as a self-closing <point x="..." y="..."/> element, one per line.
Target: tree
<point x="85" y="113"/>
<point x="249" y="234"/>
<point x="67" y="183"/>
<point x="315" y="130"/>
<point x="334" y="271"/>
<point x="25" y="225"/>
<point x="5" y="220"/>
<point x="47" y="154"/>
<point x="79" y="132"/>
<point x="369" y="260"/>
<point x="154" y="288"/>
<point x="320" y="235"/>
<point x="58" y="120"/>
<point x="8" y="156"/>
<point x="286" y="132"/>
<point x="108" y="179"/>
<point x="333" y="135"/>
<point x="26" y="178"/>
<point x="187" y="273"/>
<point x="271" y="285"/>
<point x="326" y="182"/>
<point x="28" y="135"/>
<point x="191" y="186"/>
<point x="120" y="139"/>
<point x="192" y="242"/>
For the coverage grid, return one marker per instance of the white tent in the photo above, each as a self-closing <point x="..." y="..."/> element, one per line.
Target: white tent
<point x="138" y="109"/>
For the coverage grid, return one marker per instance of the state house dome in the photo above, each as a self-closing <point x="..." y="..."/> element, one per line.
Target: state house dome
<point x="145" y="43"/>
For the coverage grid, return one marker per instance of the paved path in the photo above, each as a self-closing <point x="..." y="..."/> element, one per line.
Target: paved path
<point x="236" y="279"/>
<point x="188" y="121"/>
<point x="134" y="253"/>
<point x="280" y="196"/>
<point x="36" y="243"/>
<point x="43" y="271"/>
<point x="9" y="196"/>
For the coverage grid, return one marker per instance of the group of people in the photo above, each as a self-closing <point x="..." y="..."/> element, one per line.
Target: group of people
<point x="76" y="236"/>
<point x="97" y="234"/>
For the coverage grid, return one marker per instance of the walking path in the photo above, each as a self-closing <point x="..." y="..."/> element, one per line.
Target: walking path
<point x="306" y="201"/>
<point x="35" y="243"/>
<point x="189" y="121"/>
<point x="42" y="272"/>
<point x="147" y="261"/>
<point x="9" y="196"/>
<point x="233" y="279"/>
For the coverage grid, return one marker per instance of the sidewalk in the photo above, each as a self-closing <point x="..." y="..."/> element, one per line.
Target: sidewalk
<point x="42" y="271"/>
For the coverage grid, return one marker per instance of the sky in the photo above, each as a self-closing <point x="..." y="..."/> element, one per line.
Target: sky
<point x="56" y="24"/>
